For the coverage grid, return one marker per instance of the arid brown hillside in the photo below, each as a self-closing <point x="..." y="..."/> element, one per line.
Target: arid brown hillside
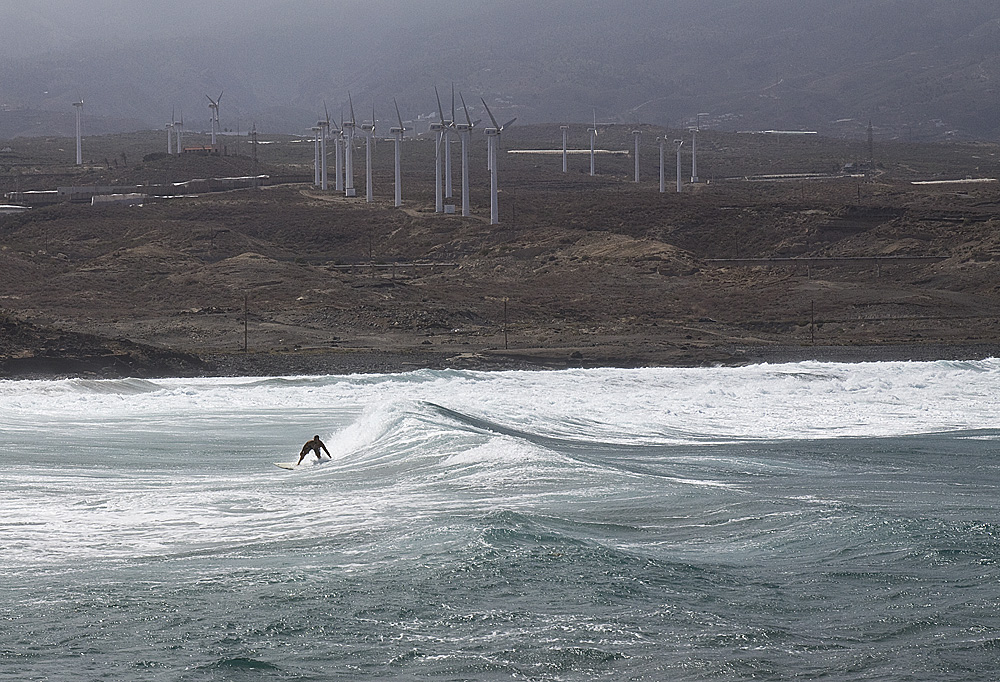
<point x="581" y="270"/>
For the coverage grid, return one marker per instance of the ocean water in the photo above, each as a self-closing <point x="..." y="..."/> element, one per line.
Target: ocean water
<point x="774" y="522"/>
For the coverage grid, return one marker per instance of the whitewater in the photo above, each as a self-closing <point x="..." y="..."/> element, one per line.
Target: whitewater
<point x="769" y="522"/>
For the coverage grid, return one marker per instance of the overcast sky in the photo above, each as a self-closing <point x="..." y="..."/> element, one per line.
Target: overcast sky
<point x="35" y="26"/>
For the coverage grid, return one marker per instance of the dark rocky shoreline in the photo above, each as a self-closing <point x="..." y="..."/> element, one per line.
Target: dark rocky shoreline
<point x="137" y="361"/>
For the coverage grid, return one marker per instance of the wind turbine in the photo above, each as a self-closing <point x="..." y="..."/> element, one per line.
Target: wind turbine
<point x="694" y="155"/>
<point x="369" y="141"/>
<point x="324" y="127"/>
<point x="316" y="129"/>
<point x="79" y="142"/>
<point x="565" y="136"/>
<point x="338" y="146"/>
<point x="679" y="143"/>
<point x="398" y="132"/>
<point x="440" y="128"/>
<point x="637" y="134"/>
<point x="349" y="126"/>
<point x="213" y="105"/>
<point x="450" y="125"/>
<point x="593" y="143"/>
<point x="178" y="130"/>
<point x="663" y="177"/>
<point x="493" y="140"/>
<point x="465" y="132"/>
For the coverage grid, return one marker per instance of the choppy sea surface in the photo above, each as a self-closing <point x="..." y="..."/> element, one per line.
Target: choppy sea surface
<point x="773" y="522"/>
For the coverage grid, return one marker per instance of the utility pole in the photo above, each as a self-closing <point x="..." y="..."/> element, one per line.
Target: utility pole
<point x="253" y="136"/>
<point x="246" y="315"/>
<point x="505" y="323"/>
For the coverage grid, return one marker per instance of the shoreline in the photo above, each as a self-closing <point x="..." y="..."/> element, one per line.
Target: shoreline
<point x="150" y="363"/>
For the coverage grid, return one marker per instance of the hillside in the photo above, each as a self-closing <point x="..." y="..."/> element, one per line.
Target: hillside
<point x="918" y="69"/>
<point x="582" y="270"/>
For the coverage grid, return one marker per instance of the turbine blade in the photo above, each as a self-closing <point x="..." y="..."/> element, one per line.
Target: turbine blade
<point x="495" y="125"/>
<point x="327" y="111"/>
<point x="508" y="123"/>
<point x="440" y="108"/>
<point x="397" y="113"/>
<point x="467" y="118"/>
<point x="452" y="102"/>
<point x="351" y="101"/>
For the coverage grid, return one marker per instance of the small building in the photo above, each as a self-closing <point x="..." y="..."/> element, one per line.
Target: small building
<point x="129" y="199"/>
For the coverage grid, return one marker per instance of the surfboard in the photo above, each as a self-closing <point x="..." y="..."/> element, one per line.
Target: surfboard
<point x="306" y="463"/>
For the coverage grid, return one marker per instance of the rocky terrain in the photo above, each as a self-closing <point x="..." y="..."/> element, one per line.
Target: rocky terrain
<point x="582" y="271"/>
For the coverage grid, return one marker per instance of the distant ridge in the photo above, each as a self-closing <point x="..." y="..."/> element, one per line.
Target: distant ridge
<point x="918" y="69"/>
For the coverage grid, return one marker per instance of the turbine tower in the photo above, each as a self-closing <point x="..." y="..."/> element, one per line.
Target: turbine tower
<point x="565" y="136"/>
<point x="178" y="130"/>
<point x="316" y="131"/>
<point x="369" y="141"/>
<point x="213" y="105"/>
<point x="79" y="141"/>
<point x="493" y="139"/>
<point x="449" y="126"/>
<point x="398" y="133"/>
<point x="694" y="155"/>
<point x="349" y="126"/>
<point x="593" y="143"/>
<point x="680" y="181"/>
<point x="438" y="128"/>
<point x="663" y="176"/>
<point x="465" y="133"/>
<point x="338" y="146"/>
<point x="324" y="127"/>
<point x="637" y="134"/>
<point x="170" y="139"/>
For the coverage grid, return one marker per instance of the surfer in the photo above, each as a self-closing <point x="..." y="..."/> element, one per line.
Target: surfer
<point x="314" y="445"/>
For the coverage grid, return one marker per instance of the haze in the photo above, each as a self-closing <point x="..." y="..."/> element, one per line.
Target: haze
<point x="918" y="68"/>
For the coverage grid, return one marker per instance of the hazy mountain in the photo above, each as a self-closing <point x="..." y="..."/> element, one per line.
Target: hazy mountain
<point x="920" y="68"/>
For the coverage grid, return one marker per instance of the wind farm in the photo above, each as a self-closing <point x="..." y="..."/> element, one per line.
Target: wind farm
<point x="782" y="247"/>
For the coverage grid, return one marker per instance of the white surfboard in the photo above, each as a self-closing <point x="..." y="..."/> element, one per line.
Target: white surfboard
<point x="308" y="462"/>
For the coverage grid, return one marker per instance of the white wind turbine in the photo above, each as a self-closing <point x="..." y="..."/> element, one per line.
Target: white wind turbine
<point x="324" y="127"/>
<point x="178" y="132"/>
<point x="593" y="143"/>
<point x="369" y="142"/>
<point x="637" y="134"/>
<point x="663" y="176"/>
<point x="680" y="182"/>
<point x="316" y="129"/>
<point x="170" y="133"/>
<point x="493" y="145"/>
<point x="398" y="133"/>
<point x="565" y="140"/>
<point x="694" y="155"/>
<point x="440" y="129"/>
<point x="450" y="125"/>
<point x="338" y="146"/>
<point x="349" y="126"/>
<point x="79" y="132"/>
<point x="465" y="133"/>
<point x="213" y="105"/>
